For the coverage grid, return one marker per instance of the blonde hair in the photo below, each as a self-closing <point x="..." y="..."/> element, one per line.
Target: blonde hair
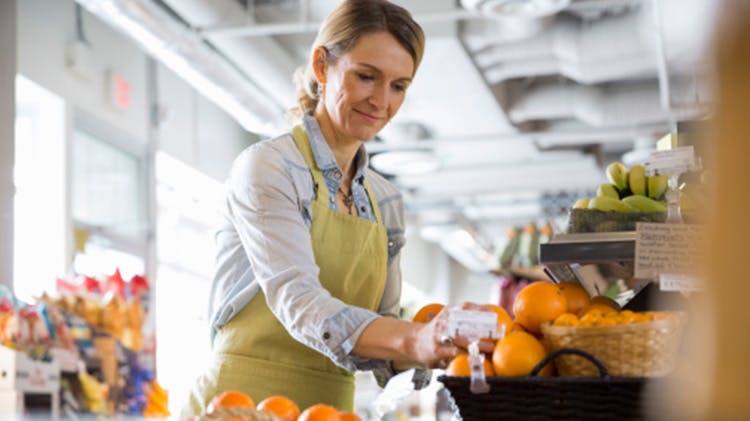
<point x="342" y="29"/>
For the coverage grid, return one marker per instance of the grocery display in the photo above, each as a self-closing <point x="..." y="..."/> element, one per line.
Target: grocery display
<point x="91" y="331"/>
<point x="565" y="338"/>
<point x="233" y="405"/>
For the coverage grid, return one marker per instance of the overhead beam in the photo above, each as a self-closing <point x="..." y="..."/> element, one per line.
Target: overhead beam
<point x="288" y="28"/>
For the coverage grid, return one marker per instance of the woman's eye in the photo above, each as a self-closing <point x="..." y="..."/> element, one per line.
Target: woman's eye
<point x="365" y="77"/>
<point x="399" y="88"/>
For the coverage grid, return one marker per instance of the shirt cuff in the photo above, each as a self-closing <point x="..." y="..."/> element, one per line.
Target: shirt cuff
<point x="341" y="332"/>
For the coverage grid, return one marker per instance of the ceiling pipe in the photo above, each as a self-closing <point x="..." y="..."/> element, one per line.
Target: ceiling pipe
<point x="581" y="136"/>
<point x="262" y="58"/>
<point x="289" y="28"/>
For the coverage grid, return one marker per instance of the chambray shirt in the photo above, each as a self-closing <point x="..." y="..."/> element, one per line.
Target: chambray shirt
<point x="264" y="244"/>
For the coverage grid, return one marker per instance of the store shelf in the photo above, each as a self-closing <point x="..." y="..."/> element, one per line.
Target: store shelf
<point x="531" y="273"/>
<point x="584" y="248"/>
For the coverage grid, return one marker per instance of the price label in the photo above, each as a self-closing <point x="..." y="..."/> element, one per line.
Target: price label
<point x="679" y="282"/>
<point x="472" y="324"/>
<point x="673" y="161"/>
<point x="667" y="248"/>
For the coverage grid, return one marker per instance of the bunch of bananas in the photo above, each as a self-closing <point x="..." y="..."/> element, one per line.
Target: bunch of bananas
<point x="628" y="191"/>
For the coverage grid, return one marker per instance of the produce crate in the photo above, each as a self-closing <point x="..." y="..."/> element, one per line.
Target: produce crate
<point x="591" y="220"/>
<point x="554" y="398"/>
<point x="643" y="349"/>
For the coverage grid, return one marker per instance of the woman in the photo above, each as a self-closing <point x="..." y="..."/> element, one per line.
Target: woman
<point x="308" y="262"/>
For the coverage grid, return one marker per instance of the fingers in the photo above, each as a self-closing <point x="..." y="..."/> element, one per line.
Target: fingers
<point x="485" y="345"/>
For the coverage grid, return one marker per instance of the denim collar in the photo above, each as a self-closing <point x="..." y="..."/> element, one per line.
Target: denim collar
<point x="324" y="158"/>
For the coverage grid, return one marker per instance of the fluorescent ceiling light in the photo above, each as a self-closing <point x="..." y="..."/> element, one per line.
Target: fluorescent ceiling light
<point x="406" y="162"/>
<point x="183" y="53"/>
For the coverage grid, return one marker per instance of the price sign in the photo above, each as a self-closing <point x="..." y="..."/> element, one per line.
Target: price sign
<point x="472" y="324"/>
<point x="673" y="161"/>
<point x="667" y="248"/>
<point x="679" y="282"/>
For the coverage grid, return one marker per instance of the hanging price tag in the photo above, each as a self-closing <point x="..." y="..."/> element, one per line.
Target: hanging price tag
<point x="667" y="248"/>
<point x="472" y="324"/>
<point x="679" y="282"/>
<point x="673" y="161"/>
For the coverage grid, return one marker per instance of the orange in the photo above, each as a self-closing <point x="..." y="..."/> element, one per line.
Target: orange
<point x="515" y="327"/>
<point x="280" y="406"/>
<point x="517" y="354"/>
<point x="428" y="312"/>
<point x="349" y="416"/>
<point x="460" y="367"/>
<point x="320" y="412"/>
<point x="591" y="318"/>
<point x="230" y="398"/>
<point x="599" y="308"/>
<point x="537" y="303"/>
<point x="604" y="300"/>
<point x="566" y="319"/>
<point x="504" y="322"/>
<point x="575" y="295"/>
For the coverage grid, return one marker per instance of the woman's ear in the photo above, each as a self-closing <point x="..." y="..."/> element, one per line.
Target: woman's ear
<point x="319" y="64"/>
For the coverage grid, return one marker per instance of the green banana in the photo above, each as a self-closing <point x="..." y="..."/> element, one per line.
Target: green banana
<point x="637" y="179"/>
<point x="581" y="204"/>
<point x="644" y="204"/>
<point x="608" y="190"/>
<point x="607" y="204"/>
<point x="617" y="174"/>
<point x="657" y="186"/>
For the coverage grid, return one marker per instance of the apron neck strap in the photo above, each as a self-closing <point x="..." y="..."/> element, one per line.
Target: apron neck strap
<point x="303" y="144"/>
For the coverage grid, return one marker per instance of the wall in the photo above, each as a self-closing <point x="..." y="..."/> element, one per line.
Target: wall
<point x="196" y="131"/>
<point x="7" y="120"/>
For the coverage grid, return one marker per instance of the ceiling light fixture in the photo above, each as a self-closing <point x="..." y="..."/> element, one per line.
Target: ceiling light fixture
<point x="529" y="9"/>
<point x="406" y="162"/>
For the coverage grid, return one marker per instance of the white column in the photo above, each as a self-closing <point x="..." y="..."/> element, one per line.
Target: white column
<point x="8" y="17"/>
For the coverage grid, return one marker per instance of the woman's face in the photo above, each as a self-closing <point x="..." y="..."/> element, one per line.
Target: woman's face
<point x="367" y="85"/>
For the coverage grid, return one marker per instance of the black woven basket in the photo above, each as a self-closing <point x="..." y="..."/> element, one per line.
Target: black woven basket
<point x="552" y="398"/>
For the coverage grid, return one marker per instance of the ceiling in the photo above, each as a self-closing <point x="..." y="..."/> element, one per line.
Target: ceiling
<point x="519" y="108"/>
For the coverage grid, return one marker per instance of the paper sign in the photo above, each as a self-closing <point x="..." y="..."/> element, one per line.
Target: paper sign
<point x="673" y="161"/>
<point x="472" y="324"/>
<point x="677" y="282"/>
<point x="667" y="248"/>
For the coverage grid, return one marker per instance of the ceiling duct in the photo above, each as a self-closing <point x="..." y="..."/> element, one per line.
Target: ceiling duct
<point x="596" y="106"/>
<point x="586" y="52"/>
<point x="177" y="47"/>
<point x="262" y="57"/>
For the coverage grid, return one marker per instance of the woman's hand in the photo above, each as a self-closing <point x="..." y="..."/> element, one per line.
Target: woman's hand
<point x="435" y="348"/>
<point x="414" y="344"/>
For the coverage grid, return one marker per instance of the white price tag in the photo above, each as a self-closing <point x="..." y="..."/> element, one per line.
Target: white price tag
<point x="679" y="282"/>
<point x="673" y="161"/>
<point x="472" y="324"/>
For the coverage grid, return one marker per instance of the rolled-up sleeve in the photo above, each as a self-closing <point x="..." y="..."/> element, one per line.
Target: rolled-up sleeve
<point x="264" y="208"/>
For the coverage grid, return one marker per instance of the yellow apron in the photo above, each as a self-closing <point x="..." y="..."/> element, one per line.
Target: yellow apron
<point x="255" y="354"/>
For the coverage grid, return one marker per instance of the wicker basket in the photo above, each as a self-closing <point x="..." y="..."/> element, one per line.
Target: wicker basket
<point x="556" y="398"/>
<point x="644" y="349"/>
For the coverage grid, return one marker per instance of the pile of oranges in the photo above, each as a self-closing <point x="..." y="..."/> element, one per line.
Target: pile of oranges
<point x="523" y="346"/>
<point x="233" y="405"/>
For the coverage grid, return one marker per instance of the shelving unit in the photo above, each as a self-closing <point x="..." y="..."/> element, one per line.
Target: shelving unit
<point x="600" y="262"/>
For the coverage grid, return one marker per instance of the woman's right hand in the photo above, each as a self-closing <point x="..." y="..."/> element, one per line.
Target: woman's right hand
<point x="433" y="347"/>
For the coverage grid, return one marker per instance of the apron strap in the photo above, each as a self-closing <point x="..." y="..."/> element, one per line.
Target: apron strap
<point x="303" y="144"/>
